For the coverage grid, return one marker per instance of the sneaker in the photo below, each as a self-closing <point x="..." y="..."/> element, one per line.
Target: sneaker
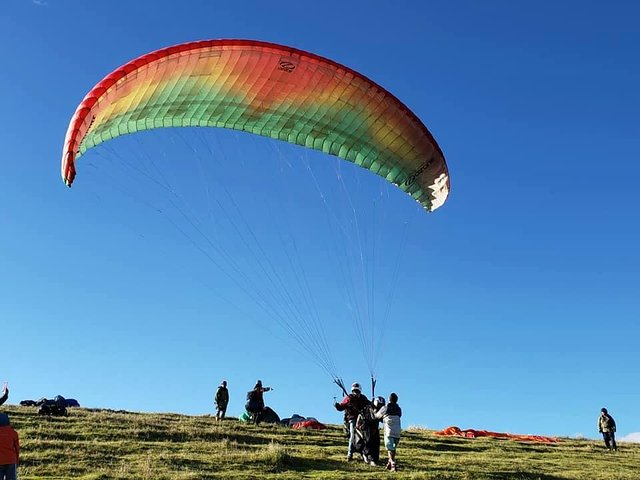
<point x="394" y="467"/>
<point x="372" y="463"/>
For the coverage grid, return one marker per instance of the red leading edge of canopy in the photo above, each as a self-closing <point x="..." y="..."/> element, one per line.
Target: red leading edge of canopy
<point x="72" y="143"/>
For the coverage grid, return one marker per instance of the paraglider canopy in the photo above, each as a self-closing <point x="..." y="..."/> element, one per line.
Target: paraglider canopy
<point x="270" y="90"/>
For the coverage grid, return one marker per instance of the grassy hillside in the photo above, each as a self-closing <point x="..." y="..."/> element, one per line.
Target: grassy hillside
<point x="101" y="444"/>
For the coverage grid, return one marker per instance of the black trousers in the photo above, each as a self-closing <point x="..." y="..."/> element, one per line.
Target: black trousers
<point x="610" y="440"/>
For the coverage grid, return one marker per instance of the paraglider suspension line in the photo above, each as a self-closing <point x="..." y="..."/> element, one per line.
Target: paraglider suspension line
<point x="338" y="381"/>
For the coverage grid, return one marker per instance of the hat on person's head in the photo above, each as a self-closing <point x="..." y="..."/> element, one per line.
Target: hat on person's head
<point x="224" y="383"/>
<point x="4" y="419"/>
<point x="355" y="386"/>
<point x="603" y="410"/>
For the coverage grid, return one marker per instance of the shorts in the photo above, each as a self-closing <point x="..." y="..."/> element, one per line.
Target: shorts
<point x="391" y="443"/>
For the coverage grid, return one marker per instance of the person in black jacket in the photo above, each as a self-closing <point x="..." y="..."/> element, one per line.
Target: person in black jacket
<point x="255" y="401"/>
<point x="352" y="405"/>
<point x="222" y="400"/>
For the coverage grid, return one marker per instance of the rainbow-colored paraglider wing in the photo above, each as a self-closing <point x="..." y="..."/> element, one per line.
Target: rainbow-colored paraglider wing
<point x="269" y="90"/>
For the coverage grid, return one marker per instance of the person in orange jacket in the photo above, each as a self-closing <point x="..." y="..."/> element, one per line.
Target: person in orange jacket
<point x="9" y="449"/>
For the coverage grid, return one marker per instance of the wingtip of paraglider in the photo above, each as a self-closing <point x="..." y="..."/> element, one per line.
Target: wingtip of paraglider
<point x="68" y="168"/>
<point x="67" y="179"/>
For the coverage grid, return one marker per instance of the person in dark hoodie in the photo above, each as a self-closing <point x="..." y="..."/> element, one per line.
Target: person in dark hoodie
<point x="9" y="449"/>
<point x="255" y="401"/>
<point x="222" y="400"/>
<point x="352" y="405"/>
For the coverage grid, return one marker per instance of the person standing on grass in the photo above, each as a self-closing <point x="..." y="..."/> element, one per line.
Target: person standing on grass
<point x="352" y="405"/>
<point x="607" y="427"/>
<point x="390" y="415"/>
<point x="255" y="401"/>
<point x="9" y="449"/>
<point x="222" y="400"/>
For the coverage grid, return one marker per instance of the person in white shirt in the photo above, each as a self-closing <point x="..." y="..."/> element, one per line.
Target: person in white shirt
<point x="390" y="415"/>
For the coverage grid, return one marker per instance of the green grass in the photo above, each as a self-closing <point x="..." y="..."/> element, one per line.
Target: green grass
<point x="101" y="444"/>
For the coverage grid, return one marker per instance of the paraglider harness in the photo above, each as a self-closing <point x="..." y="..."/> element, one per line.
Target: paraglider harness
<point x="254" y="403"/>
<point x="367" y="436"/>
<point x="56" y="407"/>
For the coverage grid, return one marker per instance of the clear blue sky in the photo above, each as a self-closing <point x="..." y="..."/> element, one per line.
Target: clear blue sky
<point x="517" y="302"/>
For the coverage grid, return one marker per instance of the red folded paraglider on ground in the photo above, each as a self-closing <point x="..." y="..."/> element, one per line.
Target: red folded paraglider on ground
<point x="471" y="433"/>
<point x="312" y="424"/>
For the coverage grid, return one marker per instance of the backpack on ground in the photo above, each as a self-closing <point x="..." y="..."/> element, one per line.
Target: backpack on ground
<point x="50" y="408"/>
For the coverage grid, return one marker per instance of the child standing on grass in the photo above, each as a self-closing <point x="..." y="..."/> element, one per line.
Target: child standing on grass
<point x="390" y="415"/>
<point x="9" y="450"/>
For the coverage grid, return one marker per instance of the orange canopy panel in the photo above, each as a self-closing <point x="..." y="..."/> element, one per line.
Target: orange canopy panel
<point x="470" y="433"/>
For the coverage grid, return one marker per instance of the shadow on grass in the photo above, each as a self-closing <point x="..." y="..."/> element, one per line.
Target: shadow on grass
<point x="537" y="449"/>
<point x="446" y="447"/>
<point x="524" y="476"/>
<point x="190" y="465"/>
<point x="288" y="464"/>
<point x="446" y="472"/>
<point x="454" y="448"/>
<point x="298" y="464"/>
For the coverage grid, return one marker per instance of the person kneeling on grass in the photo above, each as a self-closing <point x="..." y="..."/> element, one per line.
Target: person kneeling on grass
<point x="390" y="415"/>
